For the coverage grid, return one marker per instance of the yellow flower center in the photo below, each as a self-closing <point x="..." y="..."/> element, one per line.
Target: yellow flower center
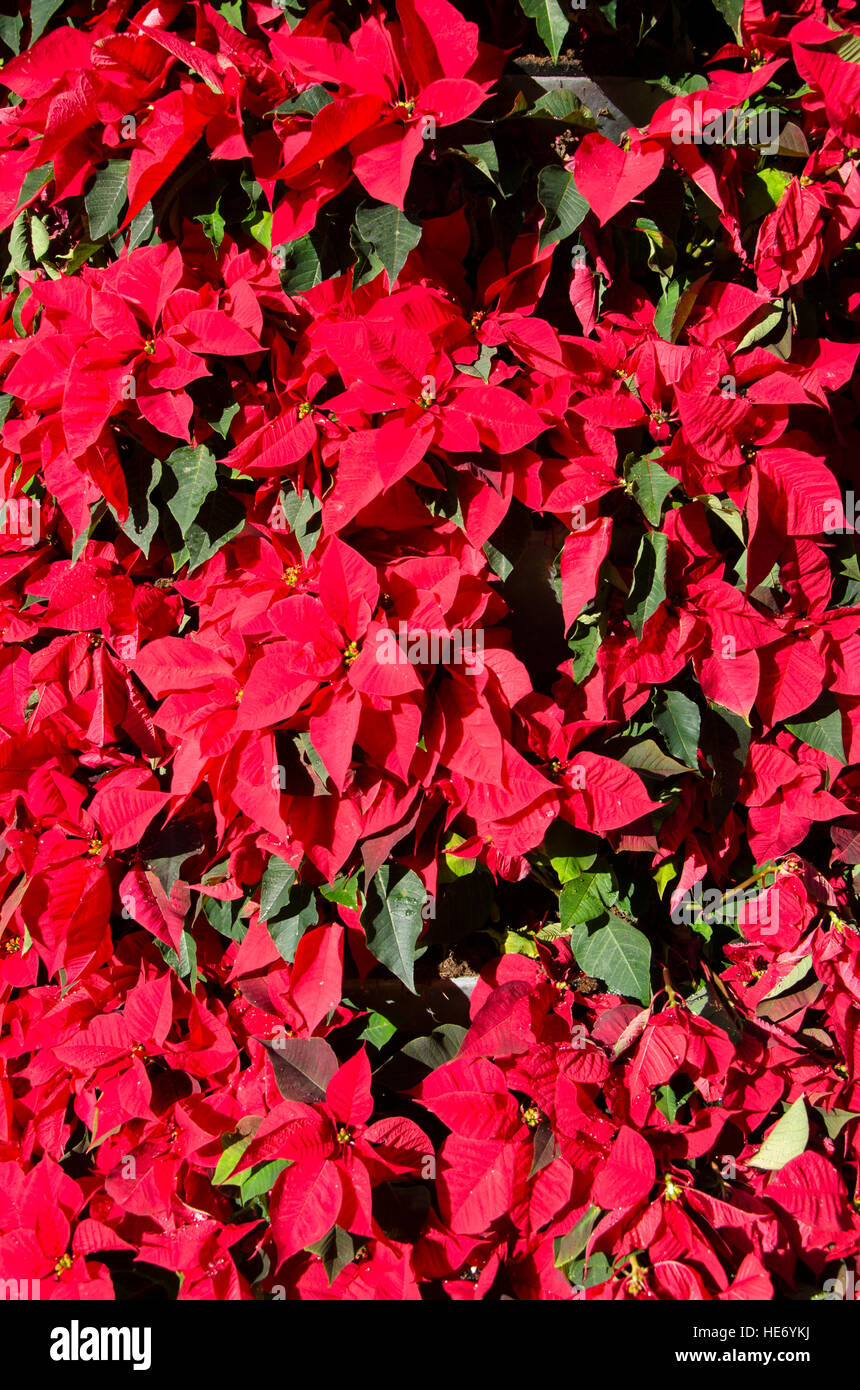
<point x="637" y="1276"/>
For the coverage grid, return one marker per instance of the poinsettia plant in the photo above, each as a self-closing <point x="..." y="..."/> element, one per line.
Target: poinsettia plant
<point x="430" y="660"/>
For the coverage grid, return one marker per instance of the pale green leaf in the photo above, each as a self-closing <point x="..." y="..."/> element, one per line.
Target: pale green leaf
<point x="787" y="1139"/>
<point x="820" y="730"/>
<point x="41" y="12"/>
<point x="651" y="486"/>
<point x="394" y="922"/>
<point x="106" y="198"/>
<point x="550" y="21"/>
<point x="649" y="580"/>
<point x="618" y="954"/>
<point x="565" y="207"/>
<point x="581" y="900"/>
<point x="680" y="722"/>
<point x="794" y="976"/>
<point x="278" y="879"/>
<point x="391" y="235"/>
<point x="646" y="757"/>
<point x="193" y="472"/>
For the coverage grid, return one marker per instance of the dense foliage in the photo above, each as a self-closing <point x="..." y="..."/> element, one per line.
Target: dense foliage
<point x="430" y="666"/>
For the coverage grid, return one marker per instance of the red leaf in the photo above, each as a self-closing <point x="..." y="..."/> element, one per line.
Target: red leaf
<point x="316" y="981"/>
<point x="502" y="1026"/>
<point x="348" y="1094"/>
<point x="628" y="1174"/>
<point x="475" y="1182"/>
<point x="584" y="552"/>
<point x="305" y="1205"/>
<point x="608" y="178"/>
